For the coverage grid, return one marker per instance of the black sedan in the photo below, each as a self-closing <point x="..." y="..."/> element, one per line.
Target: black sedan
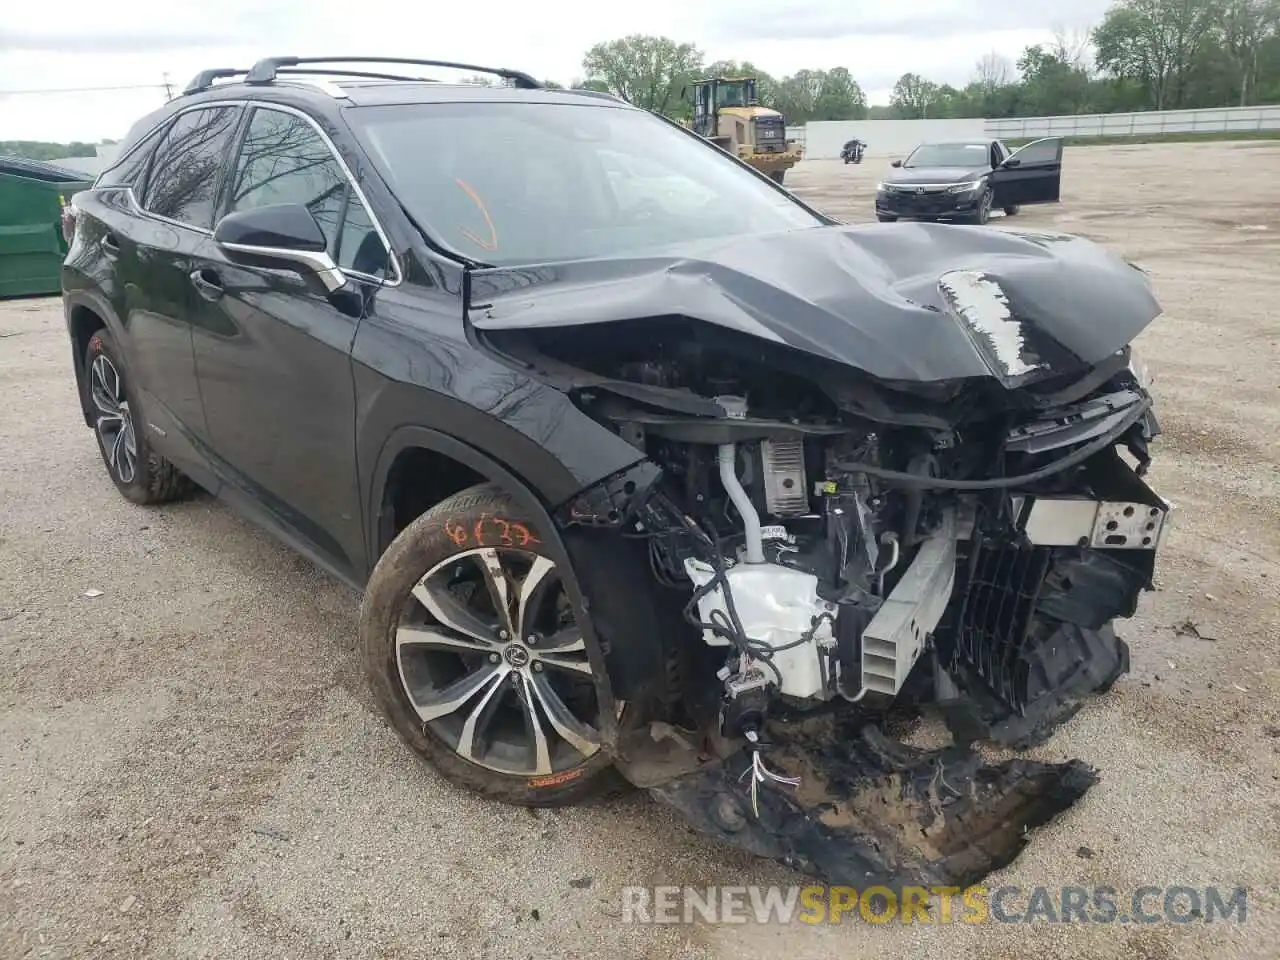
<point x="965" y="180"/>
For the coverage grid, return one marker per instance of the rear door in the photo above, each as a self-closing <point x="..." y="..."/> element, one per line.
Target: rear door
<point x="1036" y="177"/>
<point x="178" y="199"/>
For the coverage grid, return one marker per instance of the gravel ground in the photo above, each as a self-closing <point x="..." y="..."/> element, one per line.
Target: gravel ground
<point x="190" y="766"/>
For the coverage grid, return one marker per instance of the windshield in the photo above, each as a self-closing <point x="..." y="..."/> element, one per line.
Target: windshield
<point x="950" y="155"/>
<point x="515" y="183"/>
<point x="733" y="93"/>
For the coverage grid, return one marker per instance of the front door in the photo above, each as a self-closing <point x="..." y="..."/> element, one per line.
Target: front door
<point x="1035" y="177"/>
<point x="273" y="350"/>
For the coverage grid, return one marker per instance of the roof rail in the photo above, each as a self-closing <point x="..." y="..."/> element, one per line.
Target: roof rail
<point x="204" y="79"/>
<point x="266" y="70"/>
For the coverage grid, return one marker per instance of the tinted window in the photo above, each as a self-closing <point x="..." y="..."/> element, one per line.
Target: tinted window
<point x="183" y="184"/>
<point x="522" y="183"/>
<point x="132" y="170"/>
<point x="949" y="155"/>
<point x="1044" y="151"/>
<point x="284" y="160"/>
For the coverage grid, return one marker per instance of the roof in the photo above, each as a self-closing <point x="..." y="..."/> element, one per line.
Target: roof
<point x="369" y="93"/>
<point x="365" y="81"/>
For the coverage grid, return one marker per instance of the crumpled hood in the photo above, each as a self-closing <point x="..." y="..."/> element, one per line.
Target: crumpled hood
<point x="903" y="301"/>
<point x="905" y="175"/>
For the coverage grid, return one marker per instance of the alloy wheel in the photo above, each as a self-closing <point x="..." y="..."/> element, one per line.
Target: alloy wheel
<point x="492" y="661"/>
<point x="113" y="419"/>
<point x="984" y="210"/>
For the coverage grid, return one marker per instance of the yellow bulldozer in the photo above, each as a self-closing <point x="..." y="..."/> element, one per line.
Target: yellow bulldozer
<point x="727" y="111"/>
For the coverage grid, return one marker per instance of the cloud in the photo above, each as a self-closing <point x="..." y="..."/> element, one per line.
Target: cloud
<point x="61" y="41"/>
<point x="912" y="19"/>
<point x="92" y="45"/>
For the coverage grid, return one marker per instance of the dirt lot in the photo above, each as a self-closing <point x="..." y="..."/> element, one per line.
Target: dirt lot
<point x="190" y="767"/>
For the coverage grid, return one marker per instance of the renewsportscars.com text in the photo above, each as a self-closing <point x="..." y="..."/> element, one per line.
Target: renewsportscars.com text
<point x="937" y="904"/>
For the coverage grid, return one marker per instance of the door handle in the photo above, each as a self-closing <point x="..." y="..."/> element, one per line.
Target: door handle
<point x="207" y="283"/>
<point x="110" y="246"/>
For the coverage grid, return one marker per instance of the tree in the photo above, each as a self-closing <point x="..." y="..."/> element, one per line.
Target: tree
<point x="41" y="150"/>
<point x="992" y="72"/>
<point x="820" y="95"/>
<point x="840" y="97"/>
<point x="646" y="71"/>
<point x="1246" y="26"/>
<point x="913" y="96"/>
<point x="1072" y="48"/>
<point x="1156" y="42"/>
<point x="1051" y="83"/>
<point x="599" y="86"/>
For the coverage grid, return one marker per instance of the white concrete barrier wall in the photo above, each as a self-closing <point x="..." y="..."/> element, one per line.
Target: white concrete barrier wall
<point x="1218" y="120"/>
<point x="823" y="139"/>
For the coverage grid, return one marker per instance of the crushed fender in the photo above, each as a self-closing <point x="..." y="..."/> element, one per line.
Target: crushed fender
<point x="870" y="810"/>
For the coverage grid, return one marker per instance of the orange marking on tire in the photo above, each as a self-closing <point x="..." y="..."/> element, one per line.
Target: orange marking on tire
<point x="455" y="532"/>
<point x="555" y="779"/>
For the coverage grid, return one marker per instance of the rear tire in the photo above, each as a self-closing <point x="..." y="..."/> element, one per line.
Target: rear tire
<point x="140" y="474"/>
<point x="885" y="218"/>
<point x="1010" y="211"/>
<point x="429" y="623"/>
<point x="778" y="176"/>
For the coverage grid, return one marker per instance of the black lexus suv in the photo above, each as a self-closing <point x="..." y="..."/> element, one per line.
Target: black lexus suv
<point x="635" y="456"/>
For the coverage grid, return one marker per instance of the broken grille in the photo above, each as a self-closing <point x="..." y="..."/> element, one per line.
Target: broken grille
<point x="995" y="622"/>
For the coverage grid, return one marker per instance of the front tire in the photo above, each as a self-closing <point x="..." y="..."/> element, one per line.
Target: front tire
<point x="140" y="474"/>
<point x="778" y="176"/>
<point x="1010" y="211"/>
<point x="886" y="218"/>
<point x="475" y="657"/>
<point x="983" y="214"/>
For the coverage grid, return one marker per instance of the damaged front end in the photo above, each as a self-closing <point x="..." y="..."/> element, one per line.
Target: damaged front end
<point x="841" y="546"/>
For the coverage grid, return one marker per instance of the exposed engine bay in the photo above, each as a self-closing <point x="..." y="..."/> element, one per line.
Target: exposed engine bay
<point x="841" y="545"/>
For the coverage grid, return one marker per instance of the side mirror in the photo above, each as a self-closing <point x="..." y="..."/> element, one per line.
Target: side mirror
<point x="276" y="235"/>
<point x="896" y="163"/>
<point x="1011" y="162"/>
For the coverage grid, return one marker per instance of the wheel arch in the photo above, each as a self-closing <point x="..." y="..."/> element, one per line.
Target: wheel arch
<point x="85" y="315"/>
<point x="464" y="464"/>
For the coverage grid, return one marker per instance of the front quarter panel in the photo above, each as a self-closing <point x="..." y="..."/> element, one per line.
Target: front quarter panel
<point x="415" y="366"/>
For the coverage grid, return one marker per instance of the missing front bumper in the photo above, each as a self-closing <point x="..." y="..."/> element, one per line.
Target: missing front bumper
<point x="872" y="811"/>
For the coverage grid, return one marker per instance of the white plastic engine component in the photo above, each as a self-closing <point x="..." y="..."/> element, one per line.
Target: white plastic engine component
<point x="777" y="606"/>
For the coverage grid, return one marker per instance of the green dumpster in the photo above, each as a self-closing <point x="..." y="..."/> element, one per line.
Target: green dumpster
<point x="31" y="242"/>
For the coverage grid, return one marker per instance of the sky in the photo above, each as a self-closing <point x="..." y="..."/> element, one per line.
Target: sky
<point x="137" y="43"/>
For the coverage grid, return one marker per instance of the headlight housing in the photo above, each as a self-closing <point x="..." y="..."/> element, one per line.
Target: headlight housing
<point x="882" y="187"/>
<point x="969" y="187"/>
<point x="1141" y="371"/>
